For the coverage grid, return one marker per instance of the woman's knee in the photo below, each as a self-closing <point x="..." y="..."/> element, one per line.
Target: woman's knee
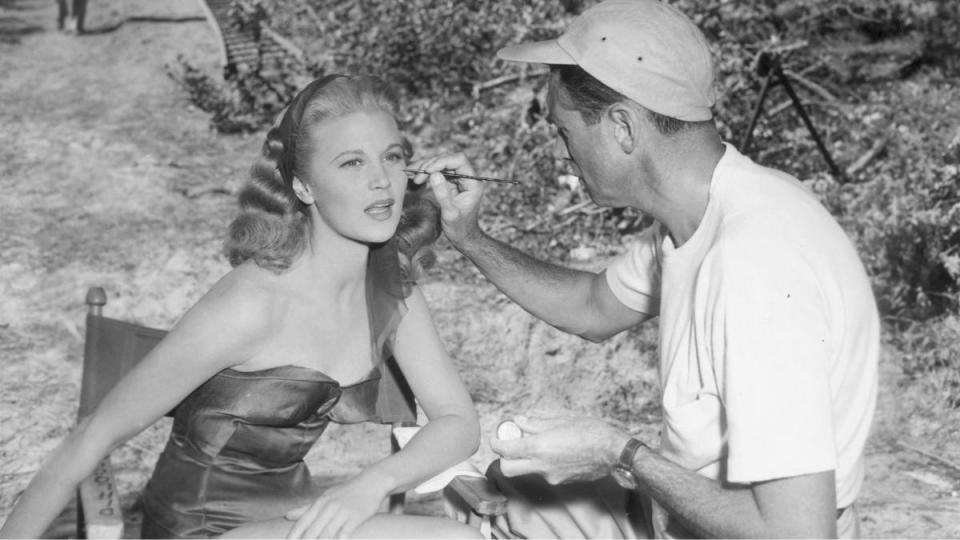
<point x="406" y="526"/>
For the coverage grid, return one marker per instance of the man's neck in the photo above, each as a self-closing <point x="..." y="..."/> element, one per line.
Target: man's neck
<point x="683" y="170"/>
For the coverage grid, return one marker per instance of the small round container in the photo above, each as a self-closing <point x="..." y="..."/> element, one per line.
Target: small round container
<point x="508" y="430"/>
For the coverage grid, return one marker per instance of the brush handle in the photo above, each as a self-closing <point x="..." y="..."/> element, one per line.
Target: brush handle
<point x="451" y="174"/>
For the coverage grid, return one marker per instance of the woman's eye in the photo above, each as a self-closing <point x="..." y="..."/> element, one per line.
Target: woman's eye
<point x="352" y="163"/>
<point x="395" y="157"/>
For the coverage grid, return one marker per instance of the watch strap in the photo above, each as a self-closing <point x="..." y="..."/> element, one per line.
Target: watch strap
<point x="626" y="456"/>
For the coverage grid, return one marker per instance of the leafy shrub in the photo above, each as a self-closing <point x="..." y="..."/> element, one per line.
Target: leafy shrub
<point x="438" y="51"/>
<point x="247" y="98"/>
<point x="878" y="78"/>
<point x="907" y="219"/>
<point x="430" y="48"/>
<point x="930" y="359"/>
<point x="244" y="102"/>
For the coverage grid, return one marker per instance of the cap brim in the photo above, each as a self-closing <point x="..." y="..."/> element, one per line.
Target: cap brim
<point x="537" y="52"/>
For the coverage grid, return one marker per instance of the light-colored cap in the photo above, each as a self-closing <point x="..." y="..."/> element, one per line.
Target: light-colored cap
<point x="645" y="49"/>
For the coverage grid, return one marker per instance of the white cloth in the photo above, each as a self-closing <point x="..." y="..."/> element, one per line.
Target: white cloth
<point x="769" y="333"/>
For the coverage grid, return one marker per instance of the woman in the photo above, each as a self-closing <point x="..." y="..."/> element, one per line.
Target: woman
<point x="287" y="341"/>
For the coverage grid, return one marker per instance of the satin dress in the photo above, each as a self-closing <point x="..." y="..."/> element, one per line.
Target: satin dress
<point x="236" y="448"/>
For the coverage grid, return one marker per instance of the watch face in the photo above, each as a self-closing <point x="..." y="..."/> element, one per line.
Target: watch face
<point x="624" y="478"/>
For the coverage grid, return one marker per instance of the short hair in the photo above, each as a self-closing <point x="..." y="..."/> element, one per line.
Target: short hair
<point x="273" y="225"/>
<point x="590" y="97"/>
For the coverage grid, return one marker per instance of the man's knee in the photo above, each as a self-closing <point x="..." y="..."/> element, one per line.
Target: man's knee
<point x="598" y="509"/>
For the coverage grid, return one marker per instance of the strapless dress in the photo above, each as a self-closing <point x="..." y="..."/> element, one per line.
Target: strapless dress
<point x="235" y="452"/>
<point x="236" y="448"/>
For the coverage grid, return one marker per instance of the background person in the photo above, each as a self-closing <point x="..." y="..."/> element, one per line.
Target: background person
<point x="71" y="15"/>
<point x="768" y="325"/>
<point x="289" y="340"/>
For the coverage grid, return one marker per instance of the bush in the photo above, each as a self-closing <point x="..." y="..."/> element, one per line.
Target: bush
<point x="436" y="49"/>
<point x="852" y="63"/>
<point x="244" y="102"/>
<point x="906" y="220"/>
<point x="930" y="359"/>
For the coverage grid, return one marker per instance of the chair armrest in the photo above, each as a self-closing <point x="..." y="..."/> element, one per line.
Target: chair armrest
<point x="99" y="505"/>
<point x="475" y="502"/>
<point x="477" y="494"/>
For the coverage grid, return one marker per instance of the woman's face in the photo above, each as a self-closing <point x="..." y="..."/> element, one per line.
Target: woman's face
<point x="356" y="175"/>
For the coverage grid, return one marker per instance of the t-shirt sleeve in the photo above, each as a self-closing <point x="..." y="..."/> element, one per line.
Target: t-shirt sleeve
<point x="773" y="364"/>
<point x="634" y="276"/>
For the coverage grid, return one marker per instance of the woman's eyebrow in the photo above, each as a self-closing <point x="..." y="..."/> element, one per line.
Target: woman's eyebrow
<point x="345" y="153"/>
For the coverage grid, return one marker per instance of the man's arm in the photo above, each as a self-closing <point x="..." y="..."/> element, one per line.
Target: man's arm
<point x="799" y="506"/>
<point x="575" y="449"/>
<point x="577" y="302"/>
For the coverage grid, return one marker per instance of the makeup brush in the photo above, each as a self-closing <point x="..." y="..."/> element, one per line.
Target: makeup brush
<point x="451" y="174"/>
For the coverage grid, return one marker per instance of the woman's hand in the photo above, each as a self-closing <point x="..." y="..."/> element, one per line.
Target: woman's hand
<point x="339" y="511"/>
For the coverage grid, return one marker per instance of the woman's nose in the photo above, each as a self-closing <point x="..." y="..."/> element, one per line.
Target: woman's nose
<point x="380" y="178"/>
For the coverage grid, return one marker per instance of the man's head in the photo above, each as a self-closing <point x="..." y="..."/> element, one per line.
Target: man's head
<point x="629" y="78"/>
<point x="644" y="50"/>
<point x="572" y="88"/>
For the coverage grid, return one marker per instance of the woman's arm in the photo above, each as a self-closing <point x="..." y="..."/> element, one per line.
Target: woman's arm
<point x="216" y="333"/>
<point x="453" y="431"/>
<point x="451" y="435"/>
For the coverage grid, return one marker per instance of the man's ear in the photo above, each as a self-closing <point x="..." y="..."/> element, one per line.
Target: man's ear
<point x="625" y="124"/>
<point x="302" y="191"/>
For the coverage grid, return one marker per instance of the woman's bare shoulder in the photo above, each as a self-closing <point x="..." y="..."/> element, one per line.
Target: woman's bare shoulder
<point x="243" y="302"/>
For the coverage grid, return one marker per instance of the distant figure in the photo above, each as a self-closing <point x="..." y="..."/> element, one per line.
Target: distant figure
<point x="71" y="16"/>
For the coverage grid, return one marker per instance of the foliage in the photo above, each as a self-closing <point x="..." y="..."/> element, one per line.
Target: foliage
<point x="930" y="358"/>
<point x="877" y="77"/>
<point x="436" y="48"/>
<point x="906" y="220"/>
<point x="246" y="101"/>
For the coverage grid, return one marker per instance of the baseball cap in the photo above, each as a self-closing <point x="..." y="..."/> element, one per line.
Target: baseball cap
<point x="645" y="49"/>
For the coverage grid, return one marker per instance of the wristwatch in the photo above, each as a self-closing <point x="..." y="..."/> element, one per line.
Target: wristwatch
<point x="623" y="470"/>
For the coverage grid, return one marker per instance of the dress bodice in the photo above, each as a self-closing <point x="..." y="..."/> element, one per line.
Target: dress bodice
<point x="268" y="417"/>
<point x="235" y="452"/>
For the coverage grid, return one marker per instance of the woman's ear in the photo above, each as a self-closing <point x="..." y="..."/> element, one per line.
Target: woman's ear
<point x="302" y="191"/>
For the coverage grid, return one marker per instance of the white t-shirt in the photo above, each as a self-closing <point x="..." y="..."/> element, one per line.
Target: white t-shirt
<point x="769" y="333"/>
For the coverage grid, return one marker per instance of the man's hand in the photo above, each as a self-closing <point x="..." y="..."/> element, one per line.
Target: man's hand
<point x="460" y="201"/>
<point x="562" y="450"/>
<point x="339" y="511"/>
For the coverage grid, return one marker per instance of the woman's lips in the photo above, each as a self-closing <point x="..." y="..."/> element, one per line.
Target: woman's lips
<point x="381" y="209"/>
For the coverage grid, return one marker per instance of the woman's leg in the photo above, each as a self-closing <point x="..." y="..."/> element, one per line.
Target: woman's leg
<point x="378" y="526"/>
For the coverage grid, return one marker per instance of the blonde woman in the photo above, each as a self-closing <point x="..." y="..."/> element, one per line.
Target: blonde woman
<point x="289" y="340"/>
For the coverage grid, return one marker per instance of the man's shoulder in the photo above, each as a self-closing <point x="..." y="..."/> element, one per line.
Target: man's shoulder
<point x="761" y="207"/>
<point x="748" y="188"/>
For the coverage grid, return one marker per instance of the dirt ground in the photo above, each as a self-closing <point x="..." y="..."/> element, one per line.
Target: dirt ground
<point x="109" y="177"/>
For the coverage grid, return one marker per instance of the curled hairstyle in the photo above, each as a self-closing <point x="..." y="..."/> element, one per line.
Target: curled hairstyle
<point x="273" y="225"/>
<point x="590" y="97"/>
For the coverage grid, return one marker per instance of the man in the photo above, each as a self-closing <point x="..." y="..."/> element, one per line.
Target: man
<point x="768" y="325"/>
